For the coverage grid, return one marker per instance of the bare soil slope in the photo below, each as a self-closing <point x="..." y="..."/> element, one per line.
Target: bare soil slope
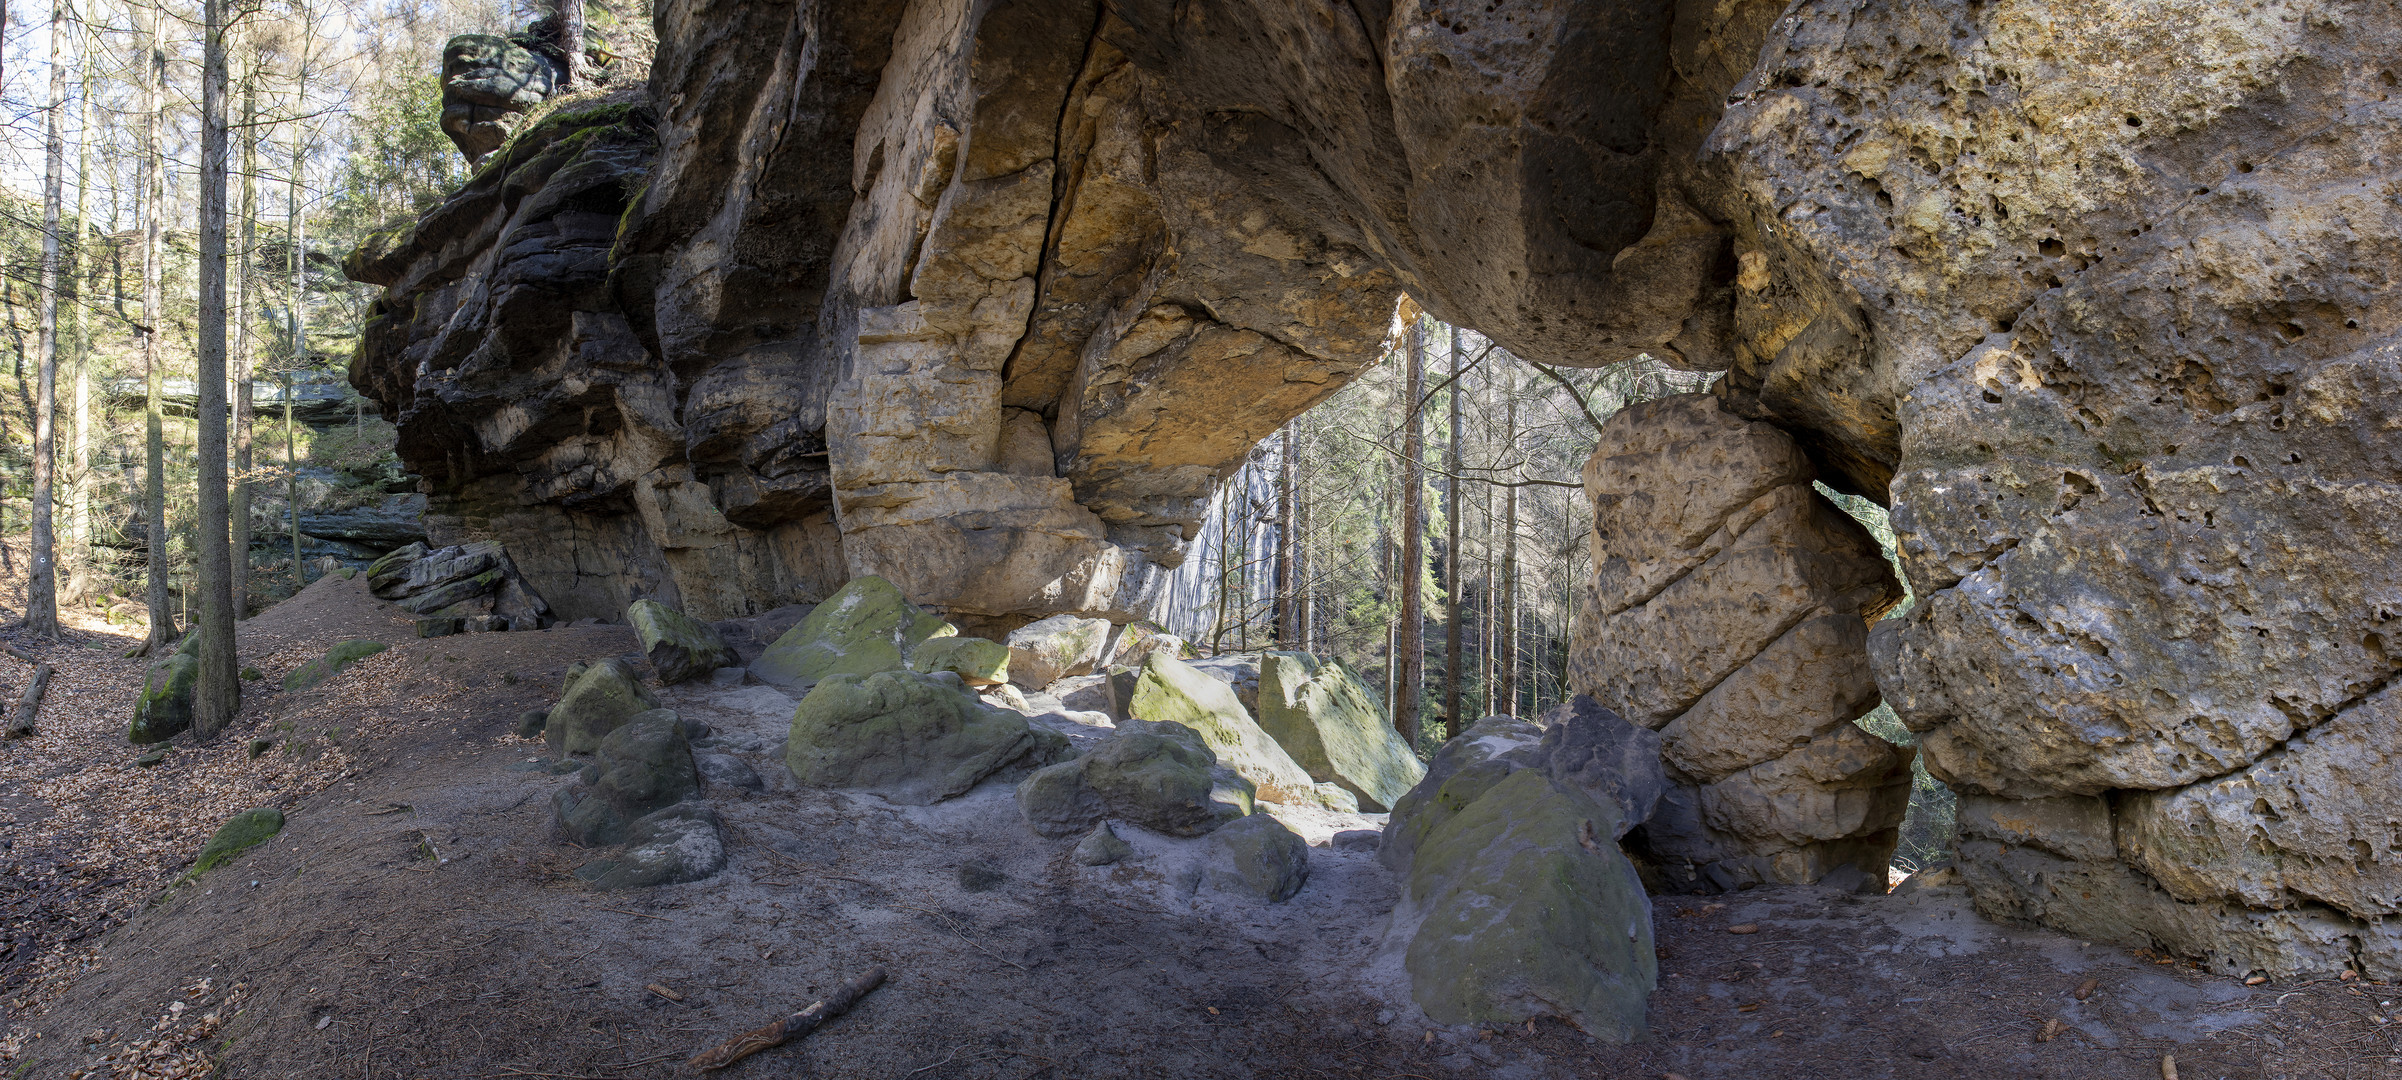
<point x="418" y="917"/>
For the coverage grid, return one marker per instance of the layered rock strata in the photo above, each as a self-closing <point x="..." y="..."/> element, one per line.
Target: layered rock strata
<point x="1728" y="610"/>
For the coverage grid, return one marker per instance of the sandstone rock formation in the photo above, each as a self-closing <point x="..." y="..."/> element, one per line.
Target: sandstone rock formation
<point x="865" y="628"/>
<point x="1160" y="776"/>
<point x="468" y="588"/>
<point x="599" y="698"/>
<point x="488" y="82"/>
<point x="680" y="649"/>
<point x="1727" y="610"/>
<point x="914" y="739"/>
<point x="1169" y="690"/>
<point x="2094" y="297"/>
<point x="1335" y="729"/>
<point x="642" y="766"/>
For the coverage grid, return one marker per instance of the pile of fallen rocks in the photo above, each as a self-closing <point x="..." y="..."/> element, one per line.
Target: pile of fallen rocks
<point x="463" y="588"/>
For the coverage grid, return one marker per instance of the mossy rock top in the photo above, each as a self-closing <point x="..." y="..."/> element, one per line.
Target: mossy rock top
<point x="600" y="697"/>
<point x="977" y="661"/>
<point x="1334" y="727"/>
<point x="681" y="648"/>
<point x="164" y="707"/>
<point x="240" y="833"/>
<point x="865" y="628"/>
<point x="912" y="738"/>
<point x="1172" y="691"/>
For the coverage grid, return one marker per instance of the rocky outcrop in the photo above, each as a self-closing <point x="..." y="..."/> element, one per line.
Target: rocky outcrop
<point x="865" y="628"/>
<point x="1160" y="776"/>
<point x="1728" y="610"/>
<point x="2115" y="345"/>
<point x="1334" y="728"/>
<point x="466" y="588"/>
<point x="680" y="649"/>
<point x="1169" y="690"/>
<point x="488" y="83"/>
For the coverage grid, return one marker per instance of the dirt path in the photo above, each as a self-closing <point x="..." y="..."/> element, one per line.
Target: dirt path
<point x="418" y="918"/>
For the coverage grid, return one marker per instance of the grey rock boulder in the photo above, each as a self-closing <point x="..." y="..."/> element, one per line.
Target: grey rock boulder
<point x="1256" y="858"/>
<point x="1160" y="776"/>
<point x="913" y="738"/>
<point x="680" y="843"/>
<point x="1101" y="847"/>
<point x="679" y="648"/>
<point x="599" y="697"/>
<point x="644" y="765"/>
<point x="1044" y="651"/>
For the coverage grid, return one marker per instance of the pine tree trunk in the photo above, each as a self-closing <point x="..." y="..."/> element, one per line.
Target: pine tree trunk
<point x="79" y="481"/>
<point x="571" y="40"/>
<point x="243" y="313"/>
<point x="296" y="229"/>
<point x="1452" y="512"/>
<point x="1411" y="645"/>
<point x="219" y="693"/>
<point x="153" y="200"/>
<point x="1288" y="611"/>
<point x="41" y="585"/>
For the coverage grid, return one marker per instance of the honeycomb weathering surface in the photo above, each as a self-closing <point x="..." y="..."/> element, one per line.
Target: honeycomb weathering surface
<point x="986" y="298"/>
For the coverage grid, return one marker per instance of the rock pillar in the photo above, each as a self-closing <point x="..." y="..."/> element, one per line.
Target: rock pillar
<point x="1728" y="609"/>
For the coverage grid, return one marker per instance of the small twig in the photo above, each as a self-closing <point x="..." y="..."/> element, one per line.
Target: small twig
<point x="636" y="914"/>
<point x="954" y="925"/>
<point x="796" y="1026"/>
<point x="947" y="1058"/>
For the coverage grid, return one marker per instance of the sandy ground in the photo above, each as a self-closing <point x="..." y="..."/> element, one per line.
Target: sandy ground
<point x="418" y="917"/>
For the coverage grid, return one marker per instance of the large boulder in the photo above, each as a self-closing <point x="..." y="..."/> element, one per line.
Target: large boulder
<point x="342" y="655"/>
<point x="1167" y="689"/>
<point x="1463" y="769"/>
<point x="680" y="649"/>
<point x="1047" y="650"/>
<point x="912" y="738"/>
<point x="1333" y="726"/>
<point x="488" y="83"/>
<point x="163" y="710"/>
<point x="1256" y="857"/>
<point x="864" y="628"/>
<point x="1524" y="908"/>
<point x="600" y="696"/>
<point x="461" y="588"/>
<point x="642" y="766"/>
<point x="1160" y="776"/>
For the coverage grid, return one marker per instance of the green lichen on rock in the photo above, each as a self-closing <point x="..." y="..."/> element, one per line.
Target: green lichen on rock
<point x="240" y="833"/>
<point x="342" y="655"/>
<point x="1162" y="777"/>
<point x="680" y="648"/>
<point x="865" y="628"/>
<point x="642" y="766"/>
<point x="977" y="661"/>
<point x="1527" y="914"/>
<point x="683" y="842"/>
<point x="1172" y="691"/>
<point x="1463" y="770"/>
<point x="1334" y="727"/>
<point x="164" y="707"/>
<point x="912" y="738"/>
<point x="600" y="696"/>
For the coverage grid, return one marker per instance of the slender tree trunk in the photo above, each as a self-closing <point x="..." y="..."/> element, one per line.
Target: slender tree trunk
<point x="243" y="315"/>
<point x="41" y="585"/>
<point x="1412" y="643"/>
<point x="1486" y="630"/>
<point x="296" y="228"/>
<point x="79" y="482"/>
<point x="1509" y="554"/>
<point x="219" y="694"/>
<point x="1304" y="598"/>
<point x="571" y="39"/>
<point x="153" y="200"/>
<point x="1452" y="586"/>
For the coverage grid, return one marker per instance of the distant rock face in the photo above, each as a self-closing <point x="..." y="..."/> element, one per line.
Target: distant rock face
<point x="2095" y="297"/>
<point x="465" y="588"/>
<point x="1727" y="610"/>
<point x="488" y="81"/>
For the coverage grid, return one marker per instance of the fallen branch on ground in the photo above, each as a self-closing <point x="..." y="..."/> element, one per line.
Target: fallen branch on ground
<point x="796" y="1026"/>
<point x="21" y="724"/>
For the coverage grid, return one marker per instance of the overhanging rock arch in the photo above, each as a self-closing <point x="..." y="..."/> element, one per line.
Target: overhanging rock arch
<point x="985" y="296"/>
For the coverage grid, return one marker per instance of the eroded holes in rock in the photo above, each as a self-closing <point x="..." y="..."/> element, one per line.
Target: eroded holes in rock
<point x="2276" y="423"/>
<point x="2243" y="166"/>
<point x="2351" y="324"/>
<point x="2292" y="332"/>
<point x="2277" y="388"/>
<point x="2386" y="77"/>
<point x="2293" y="459"/>
<point x="2075" y="487"/>
<point x="2373" y="643"/>
<point x="1991" y="398"/>
<point x="2051" y="246"/>
<point x="2135" y="121"/>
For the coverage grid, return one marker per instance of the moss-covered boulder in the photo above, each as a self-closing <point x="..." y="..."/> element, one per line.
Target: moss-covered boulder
<point x="642" y="766"/>
<point x="680" y="649"/>
<point x="1333" y="726"/>
<point x="600" y="696"/>
<point x="977" y="661"/>
<point x="342" y="655"/>
<point x="1043" y="652"/>
<point x="240" y="833"/>
<point x="164" y="708"/>
<point x="1468" y="765"/>
<point x="865" y="628"/>
<point x="683" y="842"/>
<point x="1172" y="691"/>
<point x="1257" y="858"/>
<point x="912" y="738"/>
<point x="1162" y="777"/>
<point x="1527" y="909"/>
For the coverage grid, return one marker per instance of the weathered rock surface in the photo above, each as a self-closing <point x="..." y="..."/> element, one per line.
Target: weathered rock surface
<point x="599" y="698"/>
<point x="342" y="655"/>
<point x="468" y="588"/>
<point x="1172" y="691"/>
<point x="680" y="649"/>
<point x="488" y="81"/>
<point x="164" y="708"/>
<point x="240" y="833"/>
<point x="1334" y="728"/>
<point x="1519" y="905"/>
<point x="679" y="843"/>
<point x="865" y="628"/>
<point x="1257" y="858"/>
<point x="1160" y="776"/>
<point x="1047" y="650"/>
<point x="643" y="766"/>
<point x="913" y="738"/>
